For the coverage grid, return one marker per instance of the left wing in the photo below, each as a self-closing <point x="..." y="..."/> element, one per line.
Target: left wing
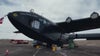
<point x="89" y="36"/>
<point x="81" y="24"/>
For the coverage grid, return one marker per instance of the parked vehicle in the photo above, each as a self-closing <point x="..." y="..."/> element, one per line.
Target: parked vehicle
<point x="19" y="41"/>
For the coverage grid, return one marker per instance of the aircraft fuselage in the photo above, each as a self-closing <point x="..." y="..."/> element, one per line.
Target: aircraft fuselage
<point x="34" y="26"/>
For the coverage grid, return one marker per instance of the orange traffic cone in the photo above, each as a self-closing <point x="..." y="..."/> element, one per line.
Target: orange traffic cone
<point x="6" y="52"/>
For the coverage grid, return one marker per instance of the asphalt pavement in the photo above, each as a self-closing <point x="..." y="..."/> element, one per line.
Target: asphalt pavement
<point x="86" y="48"/>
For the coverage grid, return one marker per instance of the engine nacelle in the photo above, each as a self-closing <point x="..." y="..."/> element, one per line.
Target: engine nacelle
<point x="94" y="15"/>
<point x="68" y="19"/>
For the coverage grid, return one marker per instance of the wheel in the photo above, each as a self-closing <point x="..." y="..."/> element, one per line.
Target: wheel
<point x="54" y="47"/>
<point x="94" y="15"/>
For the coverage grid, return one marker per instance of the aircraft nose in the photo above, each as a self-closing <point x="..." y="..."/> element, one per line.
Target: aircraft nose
<point x="22" y="18"/>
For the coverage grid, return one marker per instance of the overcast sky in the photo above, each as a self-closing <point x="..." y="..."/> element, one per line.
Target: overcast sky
<point x="54" y="10"/>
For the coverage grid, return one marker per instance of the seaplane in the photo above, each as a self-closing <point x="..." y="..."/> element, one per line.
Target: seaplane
<point x="41" y="29"/>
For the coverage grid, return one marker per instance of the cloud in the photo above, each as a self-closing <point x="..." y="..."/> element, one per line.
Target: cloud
<point x="61" y="9"/>
<point x="53" y="9"/>
<point x="57" y="9"/>
<point x="7" y="3"/>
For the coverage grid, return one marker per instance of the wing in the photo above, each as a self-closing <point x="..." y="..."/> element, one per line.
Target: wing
<point x="91" y="22"/>
<point x="90" y="36"/>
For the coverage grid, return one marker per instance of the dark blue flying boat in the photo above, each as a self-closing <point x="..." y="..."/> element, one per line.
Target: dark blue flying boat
<point x="39" y="28"/>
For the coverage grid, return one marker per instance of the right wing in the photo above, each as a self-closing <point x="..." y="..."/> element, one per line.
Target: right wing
<point x="81" y="24"/>
<point x="70" y="26"/>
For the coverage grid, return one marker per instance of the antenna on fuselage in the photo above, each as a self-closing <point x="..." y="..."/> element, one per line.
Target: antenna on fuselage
<point x="32" y="10"/>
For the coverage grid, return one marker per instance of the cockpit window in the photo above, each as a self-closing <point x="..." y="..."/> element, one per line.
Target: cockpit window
<point x="44" y="21"/>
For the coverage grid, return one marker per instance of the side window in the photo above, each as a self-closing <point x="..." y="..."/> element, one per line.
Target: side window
<point x="44" y="21"/>
<point x="35" y="24"/>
